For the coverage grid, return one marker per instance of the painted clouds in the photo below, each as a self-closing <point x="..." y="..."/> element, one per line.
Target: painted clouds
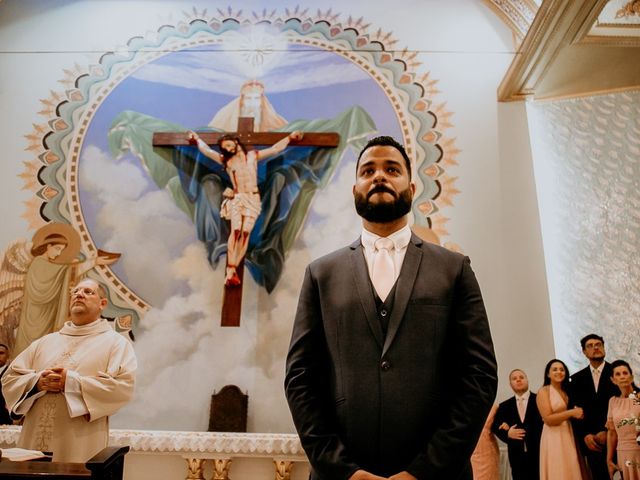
<point x="183" y="353"/>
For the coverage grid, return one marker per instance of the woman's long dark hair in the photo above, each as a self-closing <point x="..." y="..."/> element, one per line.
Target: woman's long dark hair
<point x="547" y="381"/>
<point x="623" y="363"/>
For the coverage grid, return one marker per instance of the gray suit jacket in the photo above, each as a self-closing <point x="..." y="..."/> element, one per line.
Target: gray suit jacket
<point x="415" y="400"/>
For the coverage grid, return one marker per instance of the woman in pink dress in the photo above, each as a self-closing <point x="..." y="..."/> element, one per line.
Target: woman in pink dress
<point x="559" y="457"/>
<point x="621" y="430"/>
<point x="485" y="460"/>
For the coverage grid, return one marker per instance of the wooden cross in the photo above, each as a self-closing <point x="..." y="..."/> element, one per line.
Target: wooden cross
<point x="232" y="299"/>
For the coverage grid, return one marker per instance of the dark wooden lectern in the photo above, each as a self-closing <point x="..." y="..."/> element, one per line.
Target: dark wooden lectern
<point x="106" y="465"/>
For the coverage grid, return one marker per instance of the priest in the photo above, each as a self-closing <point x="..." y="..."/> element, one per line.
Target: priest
<point x="67" y="383"/>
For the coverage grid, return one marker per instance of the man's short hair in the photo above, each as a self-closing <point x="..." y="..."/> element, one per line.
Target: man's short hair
<point x="591" y="336"/>
<point x="386" y="141"/>
<point x="100" y="289"/>
<point x="517" y="370"/>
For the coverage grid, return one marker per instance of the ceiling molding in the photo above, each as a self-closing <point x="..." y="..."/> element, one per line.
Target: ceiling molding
<point x="557" y="55"/>
<point x="612" y="41"/>
<point x="516" y="14"/>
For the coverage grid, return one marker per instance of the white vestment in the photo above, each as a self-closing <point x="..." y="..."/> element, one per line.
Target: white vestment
<point x="74" y="425"/>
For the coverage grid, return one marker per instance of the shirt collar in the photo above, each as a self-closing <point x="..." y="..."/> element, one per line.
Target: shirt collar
<point x="400" y="239"/>
<point x="97" y="326"/>
<point x="599" y="369"/>
<point x="524" y="396"/>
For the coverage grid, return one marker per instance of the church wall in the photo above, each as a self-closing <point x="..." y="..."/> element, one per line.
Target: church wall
<point x="586" y="153"/>
<point x="492" y="217"/>
<point x="525" y="337"/>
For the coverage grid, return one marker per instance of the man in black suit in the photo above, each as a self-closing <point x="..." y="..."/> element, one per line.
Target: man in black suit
<point x="391" y="371"/>
<point x="5" y="419"/>
<point x="518" y="423"/>
<point x="591" y="389"/>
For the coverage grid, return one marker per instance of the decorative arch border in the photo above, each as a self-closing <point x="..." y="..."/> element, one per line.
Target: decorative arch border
<point x="518" y="15"/>
<point x="56" y="144"/>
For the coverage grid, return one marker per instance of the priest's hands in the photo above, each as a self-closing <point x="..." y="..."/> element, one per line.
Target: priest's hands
<point x="52" y="380"/>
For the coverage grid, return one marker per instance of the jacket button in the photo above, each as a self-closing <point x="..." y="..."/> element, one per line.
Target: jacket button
<point x="385" y="365"/>
<point x="383" y="312"/>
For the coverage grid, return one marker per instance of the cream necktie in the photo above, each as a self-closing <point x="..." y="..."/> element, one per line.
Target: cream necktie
<point x="383" y="271"/>
<point x="596" y="379"/>
<point x="521" y="411"/>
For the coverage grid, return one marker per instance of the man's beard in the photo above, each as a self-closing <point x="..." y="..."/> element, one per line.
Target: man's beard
<point x="383" y="212"/>
<point x="228" y="154"/>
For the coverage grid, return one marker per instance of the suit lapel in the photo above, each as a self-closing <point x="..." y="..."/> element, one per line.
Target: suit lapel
<point x="513" y="406"/>
<point x="363" y="287"/>
<point x="531" y="406"/>
<point x="404" y="287"/>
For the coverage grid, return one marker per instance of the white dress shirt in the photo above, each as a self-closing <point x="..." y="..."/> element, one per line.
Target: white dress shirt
<point x="400" y="239"/>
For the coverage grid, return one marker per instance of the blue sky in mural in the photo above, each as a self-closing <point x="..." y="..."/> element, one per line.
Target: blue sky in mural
<point x="188" y="87"/>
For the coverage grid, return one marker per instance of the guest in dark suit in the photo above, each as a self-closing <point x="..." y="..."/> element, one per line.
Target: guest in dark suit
<point x="391" y="371"/>
<point x="518" y="424"/>
<point x="5" y="419"/>
<point x="592" y="431"/>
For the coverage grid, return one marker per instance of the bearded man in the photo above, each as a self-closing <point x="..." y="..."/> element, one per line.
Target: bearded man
<point x="391" y="371"/>
<point x="241" y="205"/>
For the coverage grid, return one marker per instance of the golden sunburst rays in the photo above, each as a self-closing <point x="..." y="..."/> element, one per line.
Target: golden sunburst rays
<point x="37" y="147"/>
<point x="443" y="116"/>
<point x="438" y="225"/>
<point x="71" y="75"/>
<point x="49" y="104"/>
<point x="448" y="157"/>
<point x="449" y="152"/>
<point x="29" y="175"/>
<point x="32" y="213"/>
<point x="424" y="107"/>
<point x="264" y="15"/>
<point x="356" y="24"/>
<point x="298" y="12"/>
<point x="447" y="190"/>
<point x="428" y="84"/>
<point x="329" y="16"/>
<point x="384" y="38"/>
<point x="408" y="57"/>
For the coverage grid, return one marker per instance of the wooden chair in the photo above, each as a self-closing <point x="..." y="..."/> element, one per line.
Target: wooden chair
<point x="228" y="410"/>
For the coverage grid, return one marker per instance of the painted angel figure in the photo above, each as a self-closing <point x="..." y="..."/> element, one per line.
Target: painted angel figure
<point x="35" y="278"/>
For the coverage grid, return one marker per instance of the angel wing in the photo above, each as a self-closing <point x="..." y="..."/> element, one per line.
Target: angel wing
<point x="15" y="263"/>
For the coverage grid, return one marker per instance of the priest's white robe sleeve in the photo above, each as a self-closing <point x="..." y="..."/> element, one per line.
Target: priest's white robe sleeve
<point x="107" y="391"/>
<point x="73" y="395"/>
<point x="19" y="380"/>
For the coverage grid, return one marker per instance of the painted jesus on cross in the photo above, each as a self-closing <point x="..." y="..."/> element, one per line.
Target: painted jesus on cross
<point x="241" y="205"/>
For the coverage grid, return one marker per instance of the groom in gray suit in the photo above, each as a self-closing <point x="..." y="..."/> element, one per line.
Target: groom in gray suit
<point x="391" y="371"/>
